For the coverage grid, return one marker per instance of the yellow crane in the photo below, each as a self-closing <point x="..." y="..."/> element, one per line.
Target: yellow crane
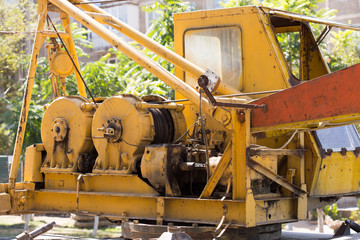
<point x="245" y="145"/>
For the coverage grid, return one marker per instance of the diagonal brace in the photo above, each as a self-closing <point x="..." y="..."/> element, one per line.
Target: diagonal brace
<point x="273" y="176"/>
<point x="218" y="172"/>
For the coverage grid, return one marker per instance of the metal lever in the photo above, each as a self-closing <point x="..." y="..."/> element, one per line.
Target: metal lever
<point x="203" y="82"/>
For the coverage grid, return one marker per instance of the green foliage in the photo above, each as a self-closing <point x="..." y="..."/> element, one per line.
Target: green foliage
<point x="355" y="215"/>
<point x="138" y="80"/>
<point x="344" y="49"/>
<point x="332" y="211"/>
<point x="10" y="116"/>
<point x="305" y="7"/>
<point x="106" y="79"/>
<point x="79" y="37"/>
<point x="290" y="42"/>
<point x="239" y="3"/>
<point x="14" y="17"/>
<point x="162" y="28"/>
<point x="42" y="94"/>
<point x="101" y="78"/>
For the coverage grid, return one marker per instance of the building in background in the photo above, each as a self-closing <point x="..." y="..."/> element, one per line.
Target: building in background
<point x="131" y="13"/>
<point x="348" y="11"/>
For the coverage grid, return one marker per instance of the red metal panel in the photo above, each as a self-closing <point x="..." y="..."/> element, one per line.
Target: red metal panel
<point x="331" y="95"/>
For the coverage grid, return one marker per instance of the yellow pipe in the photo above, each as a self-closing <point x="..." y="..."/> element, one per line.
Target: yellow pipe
<point x="101" y="15"/>
<point x="39" y="40"/>
<point x="171" y="80"/>
<point x="52" y="34"/>
<point x="65" y="20"/>
<point x="177" y="107"/>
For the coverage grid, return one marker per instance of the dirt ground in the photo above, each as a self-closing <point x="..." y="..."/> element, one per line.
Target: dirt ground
<point x="11" y="226"/>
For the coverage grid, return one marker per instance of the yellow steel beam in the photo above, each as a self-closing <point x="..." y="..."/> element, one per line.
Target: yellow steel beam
<point x="130" y="184"/>
<point x="39" y="40"/>
<point x="240" y="140"/>
<point x="135" y="206"/>
<point x="218" y="172"/>
<point x="147" y="207"/>
<point x="302" y="200"/>
<point x="5" y="202"/>
<point x="65" y="20"/>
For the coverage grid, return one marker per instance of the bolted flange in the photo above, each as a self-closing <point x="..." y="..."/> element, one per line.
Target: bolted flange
<point x="113" y="130"/>
<point x="59" y="129"/>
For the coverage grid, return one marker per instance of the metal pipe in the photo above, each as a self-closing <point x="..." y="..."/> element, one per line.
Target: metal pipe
<point x="353" y="225"/>
<point x="65" y="20"/>
<point x="36" y="232"/>
<point x="171" y="80"/>
<point x="102" y="16"/>
<point x="177" y="107"/>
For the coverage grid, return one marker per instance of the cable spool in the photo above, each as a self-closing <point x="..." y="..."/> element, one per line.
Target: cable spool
<point x="66" y="134"/>
<point x="123" y="126"/>
<point x="169" y="125"/>
<point x="163" y="125"/>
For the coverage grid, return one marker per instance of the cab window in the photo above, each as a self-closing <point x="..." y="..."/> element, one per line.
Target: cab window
<point x="338" y="137"/>
<point x="218" y="49"/>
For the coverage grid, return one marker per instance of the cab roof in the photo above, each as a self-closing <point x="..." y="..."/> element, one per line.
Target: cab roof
<point x="279" y="18"/>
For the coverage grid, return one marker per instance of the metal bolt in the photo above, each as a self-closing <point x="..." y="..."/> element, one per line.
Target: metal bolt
<point x="241" y="116"/>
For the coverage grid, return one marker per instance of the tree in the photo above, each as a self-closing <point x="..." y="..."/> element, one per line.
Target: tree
<point x="344" y="50"/>
<point x="290" y="42"/>
<point x="42" y="94"/>
<point x="102" y="78"/>
<point x="138" y="80"/>
<point x="305" y="7"/>
<point x="15" y="19"/>
<point x="340" y="48"/>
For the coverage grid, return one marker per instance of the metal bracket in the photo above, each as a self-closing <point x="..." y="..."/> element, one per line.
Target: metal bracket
<point x="160" y="210"/>
<point x="213" y="80"/>
<point x="79" y="178"/>
<point x="273" y="176"/>
<point x="321" y="37"/>
<point x="203" y="82"/>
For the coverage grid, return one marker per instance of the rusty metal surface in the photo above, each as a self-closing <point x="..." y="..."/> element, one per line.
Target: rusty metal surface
<point x="332" y="96"/>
